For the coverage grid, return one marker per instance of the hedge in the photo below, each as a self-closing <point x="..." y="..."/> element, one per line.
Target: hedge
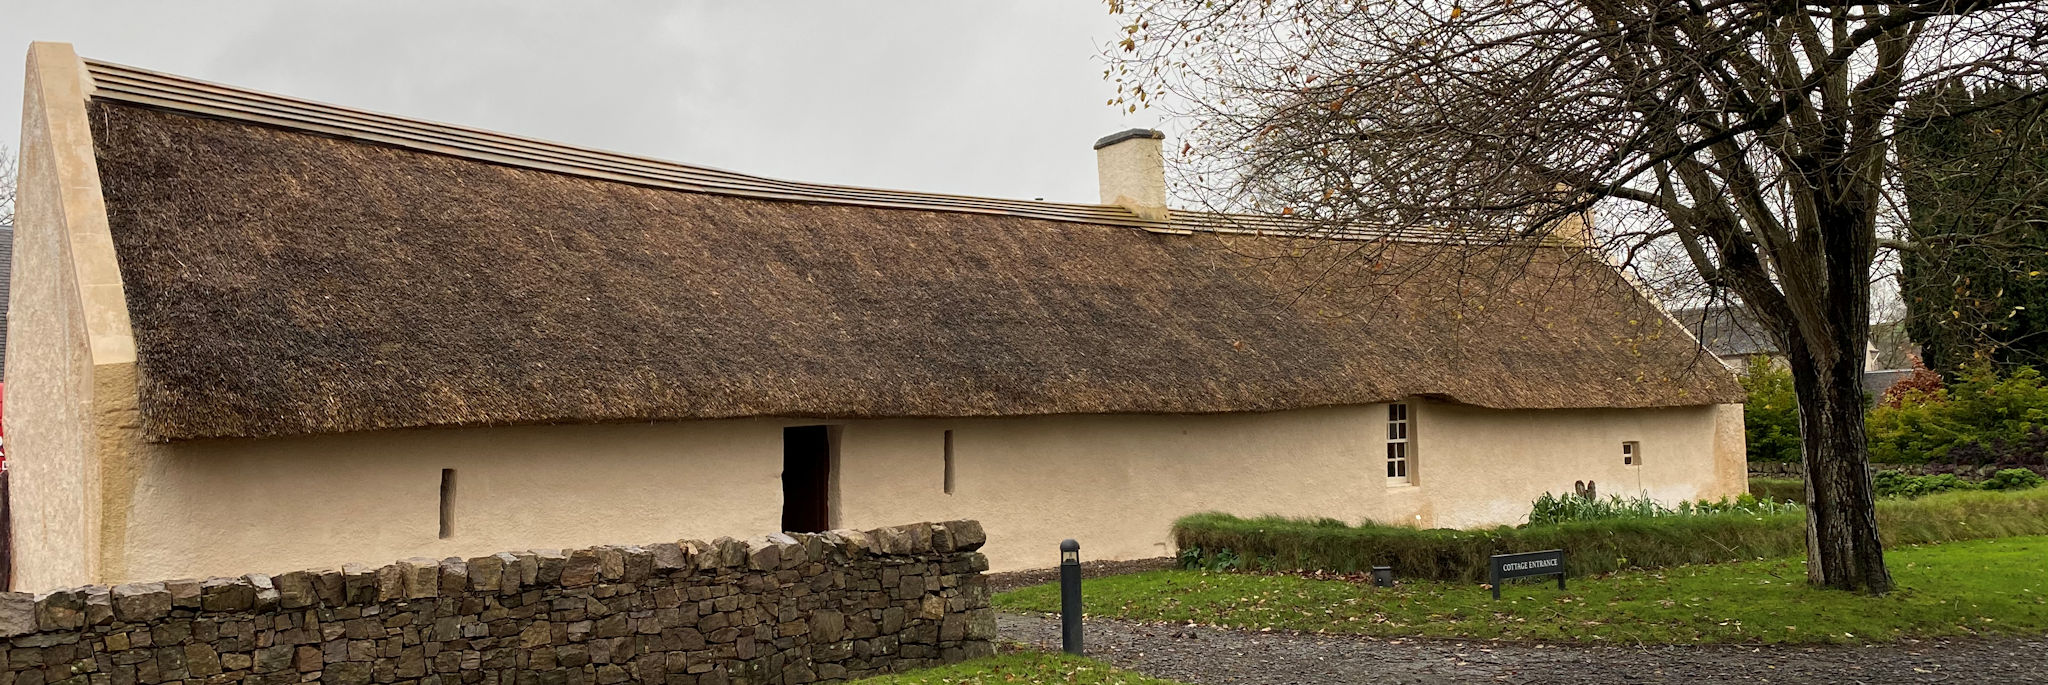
<point x="1592" y="547"/>
<point x="1778" y="489"/>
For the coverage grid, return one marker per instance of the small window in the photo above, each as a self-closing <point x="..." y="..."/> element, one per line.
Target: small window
<point x="1632" y="454"/>
<point x="949" y="462"/>
<point x="1398" y="454"/>
<point x="447" y="503"/>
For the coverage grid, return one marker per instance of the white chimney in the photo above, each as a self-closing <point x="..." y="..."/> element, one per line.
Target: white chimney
<point x="1132" y="172"/>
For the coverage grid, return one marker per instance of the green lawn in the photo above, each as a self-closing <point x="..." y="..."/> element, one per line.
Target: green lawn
<point x="1025" y="667"/>
<point x="1995" y="586"/>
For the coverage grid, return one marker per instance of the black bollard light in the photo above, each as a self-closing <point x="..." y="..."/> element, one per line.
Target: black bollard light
<point x="1070" y="597"/>
<point x="1383" y="576"/>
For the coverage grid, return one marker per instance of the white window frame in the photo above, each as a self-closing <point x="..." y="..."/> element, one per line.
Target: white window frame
<point x="1400" y="444"/>
<point x="1631" y="453"/>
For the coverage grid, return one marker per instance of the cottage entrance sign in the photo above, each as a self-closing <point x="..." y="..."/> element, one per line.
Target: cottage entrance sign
<point x="1524" y="565"/>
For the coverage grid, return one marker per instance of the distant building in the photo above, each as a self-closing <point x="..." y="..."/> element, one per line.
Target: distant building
<point x="260" y="333"/>
<point x="1731" y="334"/>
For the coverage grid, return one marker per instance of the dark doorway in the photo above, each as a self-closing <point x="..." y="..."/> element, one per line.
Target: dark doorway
<point x="807" y="479"/>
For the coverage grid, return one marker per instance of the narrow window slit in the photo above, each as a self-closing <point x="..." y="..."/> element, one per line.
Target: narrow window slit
<point x="447" y="503"/>
<point x="949" y="462"/>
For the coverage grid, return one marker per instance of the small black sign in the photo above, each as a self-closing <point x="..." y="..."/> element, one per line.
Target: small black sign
<point x="1524" y="565"/>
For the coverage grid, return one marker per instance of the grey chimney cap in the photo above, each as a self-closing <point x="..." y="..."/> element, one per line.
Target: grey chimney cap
<point x="1132" y="134"/>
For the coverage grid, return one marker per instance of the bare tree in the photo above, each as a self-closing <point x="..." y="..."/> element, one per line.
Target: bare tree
<point x="6" y="187"/>
<point x="1745" y="143"/>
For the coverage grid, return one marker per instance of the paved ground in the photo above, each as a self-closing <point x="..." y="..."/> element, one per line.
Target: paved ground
<point x="1213" y="656"/>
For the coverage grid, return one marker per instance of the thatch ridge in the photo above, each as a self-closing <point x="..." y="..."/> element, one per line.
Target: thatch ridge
<point x="284" y="283"/>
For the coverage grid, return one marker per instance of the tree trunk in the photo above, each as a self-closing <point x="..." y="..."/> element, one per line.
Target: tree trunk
<point x="1842" y="546"/>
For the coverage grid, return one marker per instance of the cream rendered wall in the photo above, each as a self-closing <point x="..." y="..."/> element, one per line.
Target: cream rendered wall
<point x="228" y="507"/>
<point x="1116" y="483"/>
<point x="1479" y="467"/>
<point x="72" y="353"/>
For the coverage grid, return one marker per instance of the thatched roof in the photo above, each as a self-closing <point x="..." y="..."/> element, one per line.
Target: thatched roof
<point x="282" y="282"/>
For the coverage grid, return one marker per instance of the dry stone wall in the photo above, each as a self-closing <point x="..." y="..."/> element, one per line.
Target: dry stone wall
<point x="776" y="609"/>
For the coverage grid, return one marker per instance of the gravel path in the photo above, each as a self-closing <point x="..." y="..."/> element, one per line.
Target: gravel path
<point x="1214" y="656"/>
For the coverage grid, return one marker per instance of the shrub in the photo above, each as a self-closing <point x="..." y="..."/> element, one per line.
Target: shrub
<point x="1592" y="547"/>
<point x="1901" y="484"/>
<point x="1791" y="490"/>
<point x="1562" y="508"/>
<point x="1770" y="415"/>
<point x="1983" y="419"/>
<point x="2013" y="479"/>
<point x="1923" y="381"/>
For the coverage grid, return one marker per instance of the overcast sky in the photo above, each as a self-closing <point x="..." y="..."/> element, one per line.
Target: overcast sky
<point x="983" y="98"/>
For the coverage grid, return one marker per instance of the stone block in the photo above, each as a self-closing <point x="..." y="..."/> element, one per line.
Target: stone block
<point x="920" y="537"/>
<point x="141" y="602"/>
<point x="453" y="575"/>
<point x="331" y="585"/>
<point x="611" y="562"/>
<point x="670" y="556"/>
<point x="981" y="624"/>
<point x="420" y="578"/>
<point x="583" y="567"/>
<point x="855" y="543"/>
<point x="952" y="628"/>
<point x="390" y="582"/>
<point x="731" y="552"/>
<point x="99" y="605"/>
<point x="17" y="613"/>
<point x="828" y="625"/>
<point x="184" y="592"/>
<point x="703" y="555"/>
<point x="521" y="570"/>
<point x="639" y="564"/>
<point x="266" y="597"/>
<point x="890" y="541"/>
<point x="486" y="573"/>
<point x="61" y="610"/>
<point x="548" y="565"/>
<point x="296" y="590"/>
<point x="764" y="554"/>
<point x="964" y="535"/>
<point x="360" y="584"/>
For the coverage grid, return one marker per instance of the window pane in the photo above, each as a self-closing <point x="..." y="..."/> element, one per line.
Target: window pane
<point x="1390" y="469"/>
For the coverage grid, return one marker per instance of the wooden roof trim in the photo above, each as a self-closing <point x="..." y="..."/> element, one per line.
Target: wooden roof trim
<point x="121" y="83"/>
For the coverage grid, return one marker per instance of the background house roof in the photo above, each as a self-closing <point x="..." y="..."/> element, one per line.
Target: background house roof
<point x="1728" y="330"/>
<point x="287" y="279"/>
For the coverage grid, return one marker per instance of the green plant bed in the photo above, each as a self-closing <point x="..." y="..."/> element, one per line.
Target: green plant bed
<point x="1983" y="587"/>
<point x="1022" y="667"/>
<point x="1778" y="489"/>
<point x="1224" y="542"/>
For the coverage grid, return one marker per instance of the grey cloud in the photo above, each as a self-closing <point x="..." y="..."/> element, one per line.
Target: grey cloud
<point x="997" y="99"/>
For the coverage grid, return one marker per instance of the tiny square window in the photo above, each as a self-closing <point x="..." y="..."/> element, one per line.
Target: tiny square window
<point x="1632" y="454"/>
